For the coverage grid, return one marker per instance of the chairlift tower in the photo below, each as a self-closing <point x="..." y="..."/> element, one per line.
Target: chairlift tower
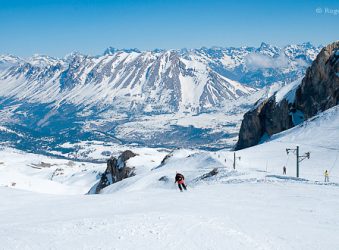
<point x="234" y="159"/>
<point x="299" y="158"/>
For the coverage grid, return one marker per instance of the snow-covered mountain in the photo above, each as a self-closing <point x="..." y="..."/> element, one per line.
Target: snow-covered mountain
<point x="163" y="81"/>
<point x="112" y="95"/>
<point x="129" y="80"/>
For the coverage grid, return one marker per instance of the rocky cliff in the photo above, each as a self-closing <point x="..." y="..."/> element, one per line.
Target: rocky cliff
<point x="320" y="87"/>
<point x="318" y="91"/>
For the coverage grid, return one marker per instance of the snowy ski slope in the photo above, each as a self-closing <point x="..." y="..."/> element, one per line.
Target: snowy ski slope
<point x="252" y="207"/>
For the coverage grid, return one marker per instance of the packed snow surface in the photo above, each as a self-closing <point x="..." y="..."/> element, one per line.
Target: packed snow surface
<point x="233" y="216"/>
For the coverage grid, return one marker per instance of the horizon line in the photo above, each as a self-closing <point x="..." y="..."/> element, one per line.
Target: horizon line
<point x="135" y="49"/>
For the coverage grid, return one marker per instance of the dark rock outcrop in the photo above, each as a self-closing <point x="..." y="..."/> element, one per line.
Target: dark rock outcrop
<point x="116" y="170"/>
<point x="164" y="160"/>
<point x="210" y="174"/>
<point x="265" y="120"/>
<point x="318" y="91"/>
<point x="164" y="178"/>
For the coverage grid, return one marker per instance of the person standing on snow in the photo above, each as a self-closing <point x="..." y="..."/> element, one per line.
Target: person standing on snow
<point x="181" y="181"/>
<point x="284" y="170"/>
<point x="327" y="179"/>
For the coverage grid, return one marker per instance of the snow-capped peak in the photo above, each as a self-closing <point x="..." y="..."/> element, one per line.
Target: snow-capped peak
<point x="43" y="60"/>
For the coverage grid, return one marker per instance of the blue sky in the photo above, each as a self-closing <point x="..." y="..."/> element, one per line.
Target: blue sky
<point x="60" y="27"/>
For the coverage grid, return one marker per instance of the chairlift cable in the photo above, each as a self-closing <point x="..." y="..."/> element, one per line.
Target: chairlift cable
<point x="336" y="158"/>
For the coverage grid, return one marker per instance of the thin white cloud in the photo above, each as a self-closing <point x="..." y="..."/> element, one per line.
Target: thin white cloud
<point x="255" y="61"/>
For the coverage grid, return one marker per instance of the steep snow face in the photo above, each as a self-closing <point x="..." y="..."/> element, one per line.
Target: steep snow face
<point x="287" y="92"/>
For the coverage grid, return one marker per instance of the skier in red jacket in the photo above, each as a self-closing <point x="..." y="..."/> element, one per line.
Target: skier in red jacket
<point x="181" y="181"/>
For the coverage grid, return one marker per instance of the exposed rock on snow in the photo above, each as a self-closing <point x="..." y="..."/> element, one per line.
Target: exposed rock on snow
<point x="214" y="172"/>
<point x="318" y="91"/>
<point x="165" y="160"/>
<point x="116" y="170"/>
<point x="164" y="178"/>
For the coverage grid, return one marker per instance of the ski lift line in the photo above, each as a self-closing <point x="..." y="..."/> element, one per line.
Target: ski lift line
<point x="275" y="171"/>
<point x="243" y="156"/>
<point x="336" y="158"/>
<point x="306" y="144"/>
<point x="288" y="157"/>
<point x="314" y="145"/>
<point x="334" y="149"/>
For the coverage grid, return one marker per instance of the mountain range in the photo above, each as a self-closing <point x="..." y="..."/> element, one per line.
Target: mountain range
<point x="110" y="96"/>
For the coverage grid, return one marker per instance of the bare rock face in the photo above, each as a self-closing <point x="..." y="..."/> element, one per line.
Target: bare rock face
<point x="126" y="155"/>
<point x="116" y="170"/>
<point x="265" y="120"/>
<point x="318" y="91"/>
